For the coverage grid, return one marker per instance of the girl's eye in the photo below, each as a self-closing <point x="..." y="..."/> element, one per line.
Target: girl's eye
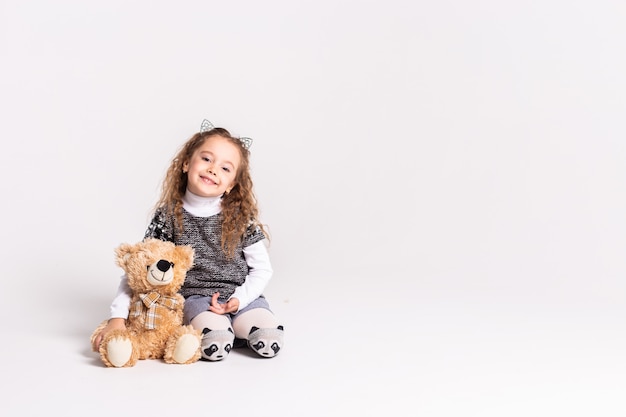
<point x="204" y="158"/>
<point x="226" y="169"/>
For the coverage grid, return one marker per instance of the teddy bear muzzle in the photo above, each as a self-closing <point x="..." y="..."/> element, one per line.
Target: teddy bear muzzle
<point x="161" y="272"/>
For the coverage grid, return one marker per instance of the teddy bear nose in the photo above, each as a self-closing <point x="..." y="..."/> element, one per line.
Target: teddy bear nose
<point x="164" y="265"/>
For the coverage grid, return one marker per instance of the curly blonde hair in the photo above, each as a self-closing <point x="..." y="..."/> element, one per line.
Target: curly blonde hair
<point x="239" y="206"/>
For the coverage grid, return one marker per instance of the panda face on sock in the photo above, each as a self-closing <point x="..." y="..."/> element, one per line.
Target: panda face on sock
<point x="216" y="344"/>
<point x="266" y="342"/>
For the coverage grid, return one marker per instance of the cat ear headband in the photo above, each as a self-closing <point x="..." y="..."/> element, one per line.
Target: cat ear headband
<point x="206" y="126"/>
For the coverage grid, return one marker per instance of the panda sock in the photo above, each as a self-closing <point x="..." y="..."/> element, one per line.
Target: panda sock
<point x="262" y="331"/>
<point x="217" y="335"/>
<point x="267" y="342"/>
<point x="216" y="344"/>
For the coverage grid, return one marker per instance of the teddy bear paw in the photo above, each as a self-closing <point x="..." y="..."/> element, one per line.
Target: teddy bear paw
<point x="186" y="348"/>
<point x="119" y="351"/>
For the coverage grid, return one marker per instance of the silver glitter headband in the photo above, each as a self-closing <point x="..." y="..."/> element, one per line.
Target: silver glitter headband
<point x="206" y="126"/>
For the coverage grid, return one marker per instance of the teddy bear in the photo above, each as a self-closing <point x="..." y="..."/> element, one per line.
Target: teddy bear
<point x="155" y="270"/>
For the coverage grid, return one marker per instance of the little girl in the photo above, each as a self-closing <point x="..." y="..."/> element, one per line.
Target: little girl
<point x="207" y="202"/>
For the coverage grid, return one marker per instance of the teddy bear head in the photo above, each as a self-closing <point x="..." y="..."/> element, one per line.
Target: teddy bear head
<point x="154" y="265"/>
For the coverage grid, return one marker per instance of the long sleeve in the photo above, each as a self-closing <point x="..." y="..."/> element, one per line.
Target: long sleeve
<point x="121" y="303"/>
<point x="260" y="272"/>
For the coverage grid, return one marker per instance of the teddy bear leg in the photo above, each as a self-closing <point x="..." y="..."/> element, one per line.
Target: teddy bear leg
<point x="260" y="328"/>
<point x="116" y="350"/>
<point x="96" y="332"/>
<point x="183" y="347"/>
<point x="119" y="351"/>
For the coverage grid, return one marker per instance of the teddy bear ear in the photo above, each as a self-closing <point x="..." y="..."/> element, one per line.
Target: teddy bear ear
<point x="122" y="254"/>
<point x="185" y="254"/>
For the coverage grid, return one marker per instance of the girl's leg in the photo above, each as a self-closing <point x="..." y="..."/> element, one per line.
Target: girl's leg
<point x="217" y="335"/>
<point x="261" y="329"/>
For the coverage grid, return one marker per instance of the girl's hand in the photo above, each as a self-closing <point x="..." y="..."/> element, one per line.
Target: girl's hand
<point x="113" y="324"/>
<point x="231" y="305"/>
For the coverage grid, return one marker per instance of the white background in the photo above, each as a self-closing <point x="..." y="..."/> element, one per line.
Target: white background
<point x="443" y="183"/>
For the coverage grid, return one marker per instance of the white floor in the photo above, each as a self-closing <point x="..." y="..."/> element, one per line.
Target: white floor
<point x="475" y="352"/>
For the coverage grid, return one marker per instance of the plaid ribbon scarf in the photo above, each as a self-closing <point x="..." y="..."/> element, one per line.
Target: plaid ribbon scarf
<point x="152" y="306"/>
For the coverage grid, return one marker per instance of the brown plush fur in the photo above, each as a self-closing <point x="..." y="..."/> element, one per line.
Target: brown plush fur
<point x="170" y="341"/>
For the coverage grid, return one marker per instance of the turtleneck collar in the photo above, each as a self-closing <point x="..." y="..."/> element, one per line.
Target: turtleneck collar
<point x="202" y="206"/>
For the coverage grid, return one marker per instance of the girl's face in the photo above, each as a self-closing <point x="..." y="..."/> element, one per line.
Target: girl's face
<point x="212" y="168"/>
